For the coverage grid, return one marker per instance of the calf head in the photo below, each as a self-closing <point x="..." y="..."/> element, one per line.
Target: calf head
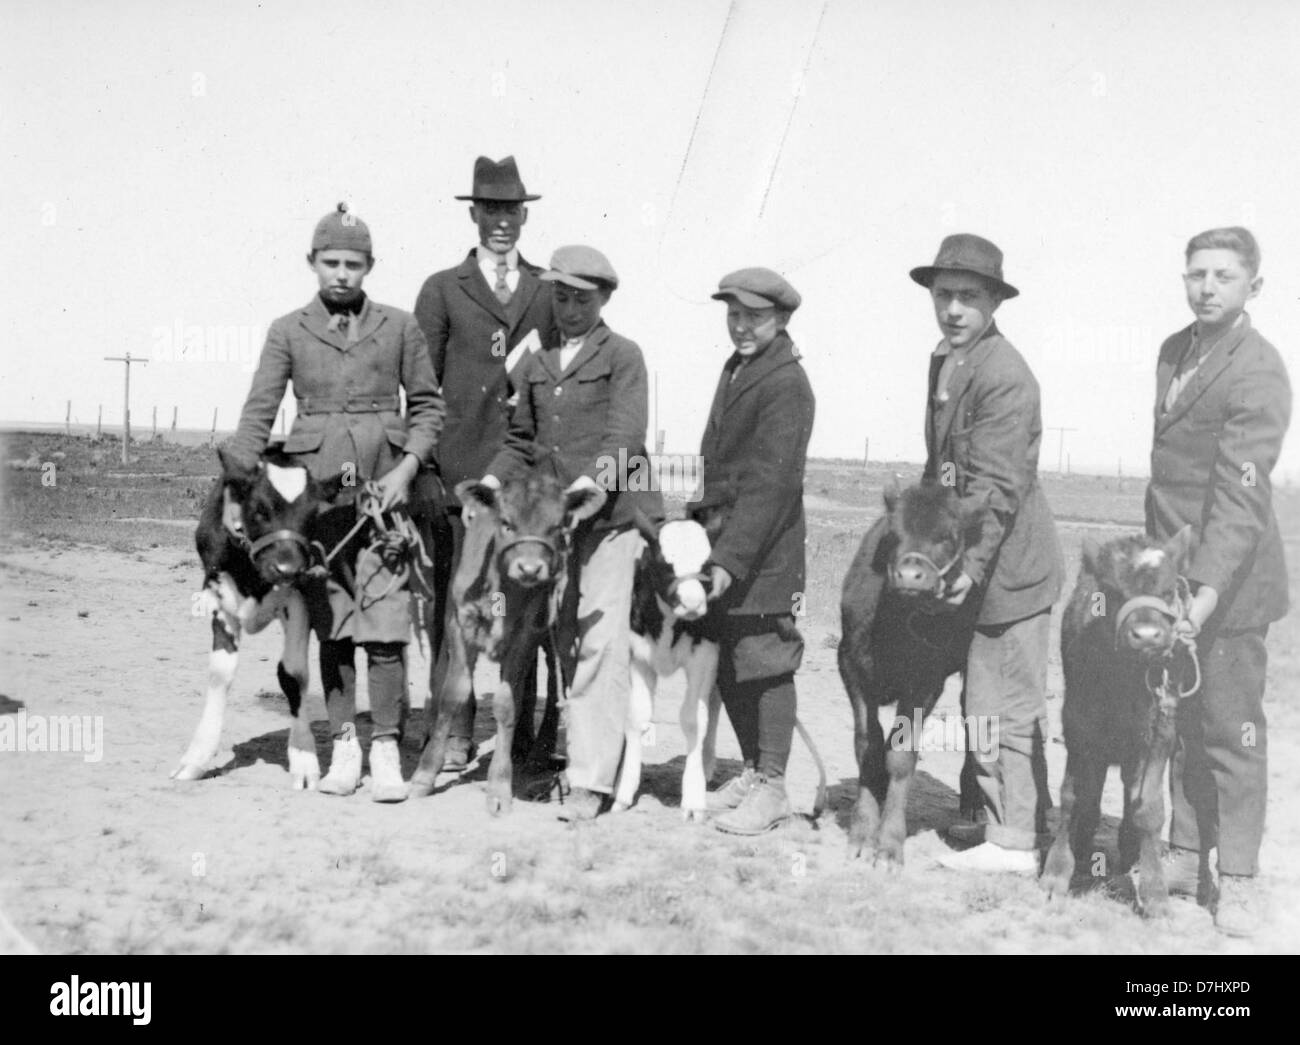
<point x="929" y="532"/>
<point x="1142" y="587"/>
<point x="674" y="562"/>
<point x="278" y="501"/>
<point x="533" y="518"/>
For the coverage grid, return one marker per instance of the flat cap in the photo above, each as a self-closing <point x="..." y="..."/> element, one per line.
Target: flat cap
<point x="339" y="230"/>
<point x="758" y="288"/>
<point x="583" y="267"/>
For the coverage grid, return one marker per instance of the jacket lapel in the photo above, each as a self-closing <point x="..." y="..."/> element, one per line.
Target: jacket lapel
<point x="959" y="380"/>
<point x="1165" y="371"/>
<point x="523" y="296"/>
<point x="590" y="348"/>
<point x="1211" y="367"/>
<point x="371" y="319"/>
<point x="471" y="280"/>
<point x="315" y="320"/>
<point x="778" y="354"/>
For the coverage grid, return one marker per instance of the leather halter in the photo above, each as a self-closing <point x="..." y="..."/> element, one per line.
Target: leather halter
<point x="928" y="564"/>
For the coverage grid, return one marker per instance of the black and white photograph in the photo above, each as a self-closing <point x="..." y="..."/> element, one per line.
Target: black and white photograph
<point x="765" y="477"/>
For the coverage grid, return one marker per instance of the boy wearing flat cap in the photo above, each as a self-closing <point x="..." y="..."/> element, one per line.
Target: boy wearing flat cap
<point x="481" y="319"/>
<point x="983" y="425"/>
<point x="1223" y="404"/>
<point x="349" y="359"/>
<point x="583" y="407"/>
<point x="754" y="449"/>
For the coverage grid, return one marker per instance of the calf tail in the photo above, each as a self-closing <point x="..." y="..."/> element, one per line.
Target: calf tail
<point x="819" y="803"/>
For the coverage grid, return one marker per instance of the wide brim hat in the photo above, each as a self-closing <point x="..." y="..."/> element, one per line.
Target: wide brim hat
<point x="964" y="252"/>
<point x="498" y="182"/>
<point x="583" y="267"/>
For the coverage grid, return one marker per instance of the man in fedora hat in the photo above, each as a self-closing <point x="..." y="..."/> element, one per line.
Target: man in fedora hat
<point x="481" y="319"/>
<point x="754" y="449"/>
<point x="983" y="425"/>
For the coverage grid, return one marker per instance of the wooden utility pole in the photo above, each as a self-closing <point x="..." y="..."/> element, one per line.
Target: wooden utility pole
<point x="212" y="439"/>
<point x="99" y="424"/>
<point x="175" y="409"/>
<point x="67" y="420"/>
<point x="126" y="402"/>
<point x="866" y="454"/>
<point x="155" y="421"/>
<point x="1060" y="446"/>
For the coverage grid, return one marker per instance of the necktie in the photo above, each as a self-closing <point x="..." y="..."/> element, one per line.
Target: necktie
<point x="502" y="289"/>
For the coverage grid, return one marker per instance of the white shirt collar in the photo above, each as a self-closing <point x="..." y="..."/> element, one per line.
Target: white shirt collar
<point x="488" y="258"/>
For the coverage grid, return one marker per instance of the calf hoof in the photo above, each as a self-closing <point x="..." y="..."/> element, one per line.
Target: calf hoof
<point x="498" y="804"/>
<point x="889" y="859"/>
<point x="864" y="851"/>
<point x="422" y="784"/>
<point x="304" y="770"/>
<point x="694" y="816"/>
<point x="1055" y="884"/>
<point x="620" y="807"/>
<point x="1152" y="901"/>
<point x="189" y="771"/>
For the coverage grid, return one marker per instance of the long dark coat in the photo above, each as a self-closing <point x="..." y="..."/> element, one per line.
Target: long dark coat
<point x="754" y="449"/>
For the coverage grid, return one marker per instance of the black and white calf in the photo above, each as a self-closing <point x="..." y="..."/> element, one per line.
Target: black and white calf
<point x="669" y="601"/>
<point x="251" y="578"/>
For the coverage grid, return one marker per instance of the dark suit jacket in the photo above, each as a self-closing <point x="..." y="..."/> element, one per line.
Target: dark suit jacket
<point x="348" y="405"/>
<point x="988" y="431"/>
<point x="586" y="420"/>
<point x="754" y="449"/>
<point x="470" y="334"/>
<point x="1211" y="459"/>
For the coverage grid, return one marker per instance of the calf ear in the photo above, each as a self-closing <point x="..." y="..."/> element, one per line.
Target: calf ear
<point x="1092" y="556"/>
<point x="236" y="474"/>
<point x="583" y="503"/>
<point x="1180" y="547"/>
<point x="892" y="493"/>
<point x="475" y="496"/>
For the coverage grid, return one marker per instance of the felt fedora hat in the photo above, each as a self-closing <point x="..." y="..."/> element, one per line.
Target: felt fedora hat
<point x="964" y="252"/>
<point x="498" y="181"/>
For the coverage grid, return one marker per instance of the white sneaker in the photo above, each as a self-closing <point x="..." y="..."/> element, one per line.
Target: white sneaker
<point x="386" y="783"/>
<point x="992" y="858"/>
<point x="345" y="766"/>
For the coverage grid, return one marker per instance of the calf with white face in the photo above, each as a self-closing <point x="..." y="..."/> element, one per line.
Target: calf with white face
<point x="251" y="577"/>
<point x="669" y="600"/>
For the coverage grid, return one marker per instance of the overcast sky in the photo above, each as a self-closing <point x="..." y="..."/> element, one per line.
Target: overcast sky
<point x="164" y="164"/>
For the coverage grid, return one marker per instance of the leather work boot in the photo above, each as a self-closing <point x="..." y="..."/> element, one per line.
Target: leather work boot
<point x="581" y="804"/>
<point x="1241" y="907"/>
<point x="386" y="772"/>
<point x="345" y="765"/>
<point x="763" y="808"/>
<point x="1182" y="871"/>
<point x="460" y="753"/>
<point x="733" y="792"/>
<point x="992" y="858"/>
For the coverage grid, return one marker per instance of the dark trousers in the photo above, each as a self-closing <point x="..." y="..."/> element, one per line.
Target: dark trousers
<point x="758" y="656"/>
<point x="386" y="676"/>
<point x="1219" y="774"/>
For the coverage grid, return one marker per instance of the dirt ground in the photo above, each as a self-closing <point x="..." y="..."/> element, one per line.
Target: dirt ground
<point x="112" y="856"/>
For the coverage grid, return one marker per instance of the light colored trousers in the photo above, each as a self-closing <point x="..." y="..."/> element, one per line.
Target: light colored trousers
<point x="1006" y="682"/>
<point x="597" y="708"/>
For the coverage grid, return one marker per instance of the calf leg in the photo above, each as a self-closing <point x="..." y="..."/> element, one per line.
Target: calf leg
<point x="640" y="713"/>
<point x="222" y="662"/>
<point x="873" y="781"/>
<point x="699" y="720"/>
<point x="451" y="684"/>
<point x="500" y="785"/>
<point x="304" y="768"/>
<point x="1059" y="867"/>
<point x="900" y="763"/>
<point x="548" y="732"/>
<point x="1148" y="816"/>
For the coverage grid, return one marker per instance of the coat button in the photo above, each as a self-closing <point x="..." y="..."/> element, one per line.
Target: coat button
<point x="558" y="389"/>
<point x="555" y="449"/>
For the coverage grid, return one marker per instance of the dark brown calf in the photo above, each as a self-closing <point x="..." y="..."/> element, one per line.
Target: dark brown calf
<point x="502" y="603"/>
<point x="1124" y="671"/>
<point x="899" y="644"/>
